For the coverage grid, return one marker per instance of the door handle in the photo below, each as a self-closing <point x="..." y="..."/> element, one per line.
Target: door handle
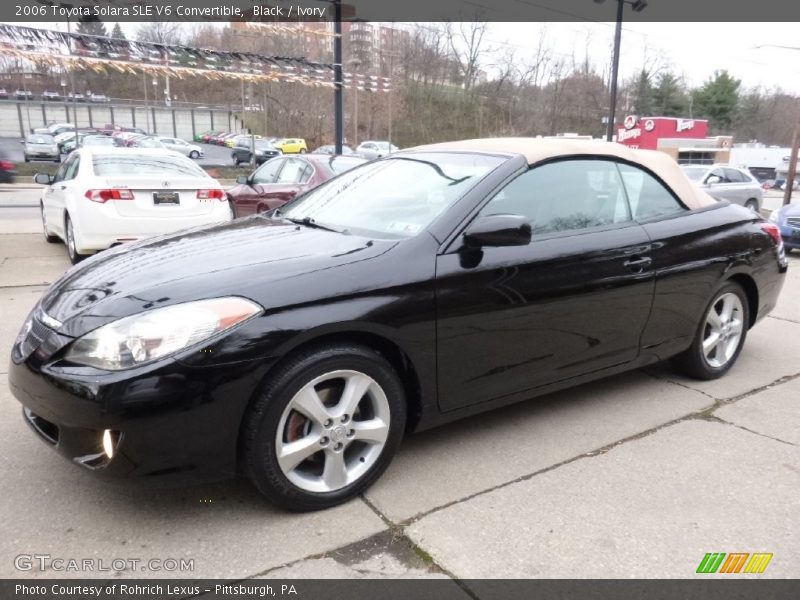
<point x="62" y="187"/>
<point x="638" y="264"/>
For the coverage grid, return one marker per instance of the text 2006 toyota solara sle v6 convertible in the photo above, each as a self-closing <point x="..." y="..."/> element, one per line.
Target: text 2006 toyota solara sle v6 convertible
<point x="298" y="347"/>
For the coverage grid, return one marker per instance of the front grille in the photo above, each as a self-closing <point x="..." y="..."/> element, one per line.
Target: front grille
<point x="793" y="221"/>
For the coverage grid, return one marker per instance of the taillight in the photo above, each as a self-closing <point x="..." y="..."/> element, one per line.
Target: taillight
<point x="6" y="165"/>
<point x="208" y="194"/>
<point x="106" y="195"/>
<point x="773" y="232"/>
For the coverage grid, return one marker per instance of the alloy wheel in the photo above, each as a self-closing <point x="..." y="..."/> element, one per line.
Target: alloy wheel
<point x="332" y="431"/>
<point x="723" y="330"/>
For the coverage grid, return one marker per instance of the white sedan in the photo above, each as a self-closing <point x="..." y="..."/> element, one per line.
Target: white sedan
<point x="101" y="197"/>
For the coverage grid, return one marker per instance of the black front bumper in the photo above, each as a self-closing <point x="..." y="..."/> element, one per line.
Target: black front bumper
<point x="167" y="418"/>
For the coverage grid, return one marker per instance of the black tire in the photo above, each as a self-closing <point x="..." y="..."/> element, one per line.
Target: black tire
<point x="74" y="256"/>
<point x="302" y="150"/>
<point x="194" y="154"/>
<point x="692" y="362"/>
<point x="27" y="159"/>
<point x="235" y="160"/>
<point x="752" y="204"/>
<point x="260" y="425"/>
<point x="49" y="238"/>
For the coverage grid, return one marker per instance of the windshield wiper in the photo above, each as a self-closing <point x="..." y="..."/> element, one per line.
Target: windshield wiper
<point x="310" y="222"/>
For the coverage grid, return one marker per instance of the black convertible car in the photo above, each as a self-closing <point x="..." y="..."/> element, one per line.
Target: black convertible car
<point x="298" y="347"/>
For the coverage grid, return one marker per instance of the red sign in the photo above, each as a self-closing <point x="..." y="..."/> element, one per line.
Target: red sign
<point x="644" y="132"/>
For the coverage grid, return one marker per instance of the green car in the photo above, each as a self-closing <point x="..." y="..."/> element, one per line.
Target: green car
<point x="199" y="136"/>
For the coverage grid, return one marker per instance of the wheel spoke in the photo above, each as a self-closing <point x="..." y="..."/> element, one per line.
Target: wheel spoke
<point x="334" y="474"/>
<point x="293" y="453"/>
<point x="727" y="308"/>
<point x="711" y="342"/>
<point x="355" y="387"/>
<point x="713" y="319"/>
<point x="736" y="326"/>
<point x="308" y="402"/>
<point x="374" y="431"/>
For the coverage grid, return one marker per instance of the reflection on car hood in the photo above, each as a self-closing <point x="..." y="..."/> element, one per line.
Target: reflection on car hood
<point x="252" y="257"/>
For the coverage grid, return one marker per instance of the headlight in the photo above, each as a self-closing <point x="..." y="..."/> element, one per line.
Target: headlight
<point x="154" y="334"/>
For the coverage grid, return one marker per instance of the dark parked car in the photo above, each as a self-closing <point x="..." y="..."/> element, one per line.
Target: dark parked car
<point x="3" y="94"/>
<point x="787" y="218"/>
<point x="8" y="170"/>
<point x="41" y="147"/>
<point x="299" y="348"/>
<point x="242" y="151"/>
<point x="281" y="179"/>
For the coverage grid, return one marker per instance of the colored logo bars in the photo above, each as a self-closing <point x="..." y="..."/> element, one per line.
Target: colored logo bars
<point x="735" y="562"/>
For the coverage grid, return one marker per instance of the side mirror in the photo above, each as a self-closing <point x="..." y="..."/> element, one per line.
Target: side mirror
<point x="43" y="178"/>
<point x="498" y="230"/>
<point x="243" y="180"/>
<point x="713" y="179"/>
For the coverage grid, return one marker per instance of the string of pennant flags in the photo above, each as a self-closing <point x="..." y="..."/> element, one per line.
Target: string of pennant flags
<point x="71" y="51"/>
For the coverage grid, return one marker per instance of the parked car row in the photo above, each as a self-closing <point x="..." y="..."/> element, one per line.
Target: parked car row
<point x="51" y="96"/>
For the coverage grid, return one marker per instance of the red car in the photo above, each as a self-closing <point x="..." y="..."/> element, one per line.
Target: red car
<point x="282" y="178"/>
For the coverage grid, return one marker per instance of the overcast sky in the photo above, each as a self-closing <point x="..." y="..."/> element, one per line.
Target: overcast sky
<point x="693" y="50"/>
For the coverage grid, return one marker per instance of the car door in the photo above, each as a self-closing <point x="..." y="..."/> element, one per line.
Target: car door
<point x="740" y="190"/>
<point x="54" y="195"/>
<point x="723" y="189"/>
<point x="574" y="300"/>
<point x="685" y="258"/>
<point x="290" y="181"/>
<point x="248" y="200"/>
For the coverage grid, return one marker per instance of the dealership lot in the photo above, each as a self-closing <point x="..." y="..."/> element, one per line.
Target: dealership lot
<point x="638" y="475"/>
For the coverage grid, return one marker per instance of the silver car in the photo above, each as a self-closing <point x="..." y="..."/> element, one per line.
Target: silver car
<point x="185" y="148"/>
<point x="724" y="182"/>
<point x="41" y="147"/>
<point x="372" y="149"/>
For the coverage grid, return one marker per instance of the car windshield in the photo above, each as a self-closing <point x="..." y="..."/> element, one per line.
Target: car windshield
<point x="263" y="144"/>
<point x="395" y="198"/>
<point x="695" y="173"/>
<point x="135" y="164"/>
<point x="40" y="139"/>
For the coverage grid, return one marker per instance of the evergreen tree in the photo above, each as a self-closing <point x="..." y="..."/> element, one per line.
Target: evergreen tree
<point x="643" y="95"/>
<point x="117" y="32"/>
<point x="92" y="26"/>
<point x="669" y="97"/>
<point x="718" y="99"/>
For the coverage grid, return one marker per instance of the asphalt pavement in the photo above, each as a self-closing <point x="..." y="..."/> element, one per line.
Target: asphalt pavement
<point x="638" y="475"/>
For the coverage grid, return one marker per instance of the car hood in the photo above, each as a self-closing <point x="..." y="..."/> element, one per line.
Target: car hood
<point x="272" y="262"/>
<point x="790" y="210"/>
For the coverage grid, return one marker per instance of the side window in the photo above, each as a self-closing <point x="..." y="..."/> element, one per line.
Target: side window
<point x="267" y="172"/>
<point x="292" y="172"/>
<point x="718" y="173"/>
<point x="734" y="176"/>
<point x="565" y="196"/>
<point x="62" y="170"/>
<point x="648" y="197"/>
<point x="72" y="169"/>
<point x="308" y="171"/>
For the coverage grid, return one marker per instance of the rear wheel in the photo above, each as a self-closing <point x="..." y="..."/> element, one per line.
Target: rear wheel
<point x="324" y="428"/>
<point x="235" y="160"/>
<point x="194" y="154"/>
<point x="49" y="237"/>
<point x="752" y="204"/>
<point x="720" y="336"/>
<point x="302" y="150"/>
<point x="74" y="256"/>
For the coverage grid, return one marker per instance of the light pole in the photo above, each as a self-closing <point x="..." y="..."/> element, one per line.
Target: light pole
<point x="637" y="6"/>
<point x="355" y="63"/>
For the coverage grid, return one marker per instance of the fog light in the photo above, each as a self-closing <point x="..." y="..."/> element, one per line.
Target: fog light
<point x="108" y="443"/>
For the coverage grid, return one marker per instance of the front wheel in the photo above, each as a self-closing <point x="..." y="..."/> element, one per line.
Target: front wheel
<point x="720" y="337"/>
<point x="752" y="204"/>
<point x="325" y="427"/>
<point x="235" y="161"/>
<point x="302" y="150"/>
<point x="194" y="154"/>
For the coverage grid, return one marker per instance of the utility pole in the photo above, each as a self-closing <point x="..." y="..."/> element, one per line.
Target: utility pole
<point x="338" y="104"/>
<point x="391" y="83"/>
<point x="790" y="175"/>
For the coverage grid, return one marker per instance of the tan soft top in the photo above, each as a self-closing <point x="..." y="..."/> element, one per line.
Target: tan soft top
<point x="538" y="149"/>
